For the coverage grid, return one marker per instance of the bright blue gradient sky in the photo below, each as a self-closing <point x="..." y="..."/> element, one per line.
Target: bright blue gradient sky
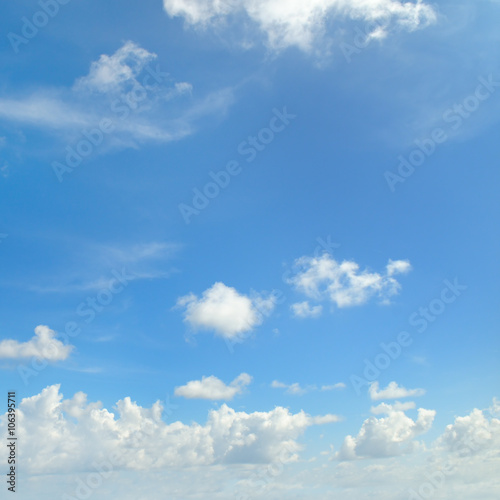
<point x="263" y="279"/>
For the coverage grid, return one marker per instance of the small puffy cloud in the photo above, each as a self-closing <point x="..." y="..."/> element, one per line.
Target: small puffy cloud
<point x="471" y="434"/>
<point x="305" y="310"/>
<point x="392" y="391"/>
<point x="64" y="435"/>
<point x="323" y="278"/>
<point x="225" y="311"/>
<point x="398" y="267"/>
<point x="213" y="388"/>
<point x="286" y="23"/>
<point x="43" y="345"/>
<point x="389" y="436"/>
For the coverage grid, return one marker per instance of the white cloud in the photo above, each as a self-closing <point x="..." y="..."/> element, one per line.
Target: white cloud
<point x="339" y="385"/>
<point x="92" y="264"/>
<point x="294" y="388"/>
<point x="225" y="311"/>
<point x="390" y="436"/>
<point x="111" y="73"/>
<point x="495" y="408"/>
<point x="213" y="388"/>
<point x="134" y="95"/>
<point x="392" y="391"/>
<point x="297" y="389"/>
<point x="63" y="435"/>
<point x="398" y="267"/>
<point x="43" y="345"/>
<point x="287" y="23"/>
<point x="386" y="409"/>
<point x="343" y="283"/>
<point x="305" y="310"/>
<point x="472" y="434"/>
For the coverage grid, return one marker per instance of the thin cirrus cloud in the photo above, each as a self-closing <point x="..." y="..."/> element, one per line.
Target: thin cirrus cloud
<point x="342" y="283"/>
<point x="44" y="345"/>
<point x="293" y="23"/>
<point x="143" y="440"/>
<point x="95" y="266"/>
<point x="392" y="391"/>
<point x="298" y="390"/>
<point x="125" y="88"/>
<point x="225" y="311"/>
<point x="213" y="388"/>
<point x="294" y="388"/>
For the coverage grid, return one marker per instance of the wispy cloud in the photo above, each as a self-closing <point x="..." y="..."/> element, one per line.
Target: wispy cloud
<point x="139" y="100"/>
<point x="298" y="390"/>
<point x="95" y="263"/>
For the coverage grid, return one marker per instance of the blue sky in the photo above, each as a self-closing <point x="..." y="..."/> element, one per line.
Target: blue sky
<point x="231" y="208"/>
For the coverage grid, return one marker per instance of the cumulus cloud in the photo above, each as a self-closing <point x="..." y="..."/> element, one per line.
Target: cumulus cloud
<point x="392" y="391"/>
<point x="472" y="434"/>
<point x="288" y="23"/>
<point x="305" y="310"/>
<point x="62" y="435"/>
<point x="225" y="311"/>
<point x="495" y="407"/>
<point x="213" y="388"/>
<point x="386" y="409"/>
<point x="43" y="345"/>
<point x="323" y="278"/>
<point x="389" y="436"/>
